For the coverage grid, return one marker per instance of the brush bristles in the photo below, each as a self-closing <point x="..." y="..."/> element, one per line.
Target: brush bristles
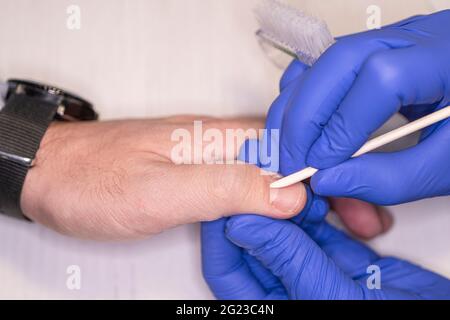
<point x="306" y="36"/>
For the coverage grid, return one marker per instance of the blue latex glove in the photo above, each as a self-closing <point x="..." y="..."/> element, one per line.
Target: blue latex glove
<point x="251" y="257"/>
<point x="232" y="273"/>
<point x="328" y="112"/>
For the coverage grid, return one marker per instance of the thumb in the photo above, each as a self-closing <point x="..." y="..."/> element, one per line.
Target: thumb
<point x="286" y="250"/>
<point x="215" y="191"/>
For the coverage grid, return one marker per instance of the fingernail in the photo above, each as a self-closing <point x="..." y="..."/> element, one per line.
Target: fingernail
<point x="288" y="200"/>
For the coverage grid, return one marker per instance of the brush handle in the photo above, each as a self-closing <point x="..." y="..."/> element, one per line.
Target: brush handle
<point x="371" y="145"/>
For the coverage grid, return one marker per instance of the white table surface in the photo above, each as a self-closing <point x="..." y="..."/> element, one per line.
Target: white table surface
<point x="150" y="58"/>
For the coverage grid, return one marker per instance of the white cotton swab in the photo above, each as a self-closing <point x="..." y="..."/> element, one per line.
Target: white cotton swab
<point x="371" y="145"/>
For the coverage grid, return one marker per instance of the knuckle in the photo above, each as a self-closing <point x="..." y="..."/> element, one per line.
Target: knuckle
<point x="220" y="182"/>
<point x="346" y="49"/>
<point x="230" y="183"/>
<point x="384" y="71"/>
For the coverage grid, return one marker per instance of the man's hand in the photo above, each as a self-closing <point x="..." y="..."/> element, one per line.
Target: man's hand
<point x="116" y="180"/>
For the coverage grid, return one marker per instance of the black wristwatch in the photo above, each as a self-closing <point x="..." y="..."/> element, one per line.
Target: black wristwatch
<point x="28" y="111"/>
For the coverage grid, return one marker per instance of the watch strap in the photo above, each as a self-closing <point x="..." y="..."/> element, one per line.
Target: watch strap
<point x="23" y="123"/>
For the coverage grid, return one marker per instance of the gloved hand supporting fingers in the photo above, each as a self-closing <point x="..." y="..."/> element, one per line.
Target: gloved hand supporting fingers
<point x="287" y="251"/>
<point x="351" y="256"/>
<point x="293" y="72"/>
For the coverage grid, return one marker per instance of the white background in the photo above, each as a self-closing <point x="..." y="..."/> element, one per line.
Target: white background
<point x="150" y="58"/>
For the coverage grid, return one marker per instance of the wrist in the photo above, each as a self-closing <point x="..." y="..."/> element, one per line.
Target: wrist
<point x="36" y="192"/>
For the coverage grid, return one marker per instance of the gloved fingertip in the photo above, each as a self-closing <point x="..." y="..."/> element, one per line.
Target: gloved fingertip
<point x="293" y="71"/>
<point x="235" y="230"/>
<point x="245" y="230"/>
<point x="319" y="210"/>
<point x="235" y="223"/>
<point x="315" y="210"/>
<point x="249" y="152"/>
<point x="213" y="225"/>
<point x="317" y="184"/>
<point x="309" y="198"/>
<point x="325" y="183"/>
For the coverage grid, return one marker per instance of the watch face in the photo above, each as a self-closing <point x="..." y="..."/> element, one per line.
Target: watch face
<point x="70" y="106"/>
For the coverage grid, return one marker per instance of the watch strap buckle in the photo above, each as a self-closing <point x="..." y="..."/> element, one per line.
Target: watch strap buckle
<point x="28" y="162"/>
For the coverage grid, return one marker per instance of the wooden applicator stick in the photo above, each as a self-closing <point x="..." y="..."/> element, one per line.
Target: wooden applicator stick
<point x="371" y="145"/>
